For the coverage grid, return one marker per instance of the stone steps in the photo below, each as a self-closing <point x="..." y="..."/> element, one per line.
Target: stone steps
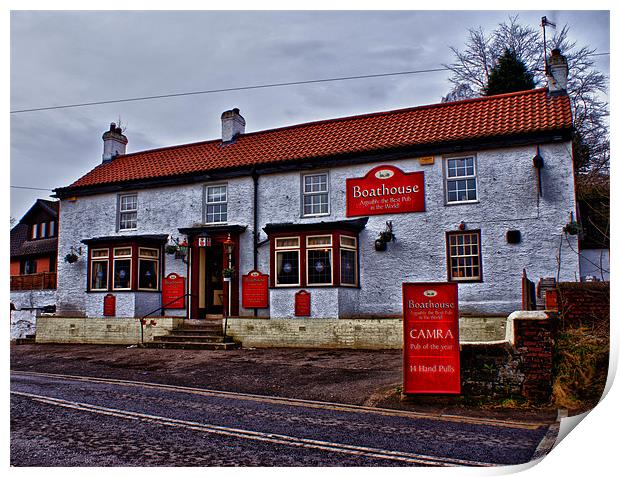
<point x="195" y="334"/>
<point x="191" y="345"/>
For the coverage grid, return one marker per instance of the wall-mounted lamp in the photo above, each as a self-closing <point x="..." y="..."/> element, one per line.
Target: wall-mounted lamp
<point x="384" y="237"/>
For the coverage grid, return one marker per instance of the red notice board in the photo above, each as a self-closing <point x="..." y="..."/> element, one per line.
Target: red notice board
<point x="173" y="291"/>
<point x="431" y="356"/>
<point x="255" y="290"/>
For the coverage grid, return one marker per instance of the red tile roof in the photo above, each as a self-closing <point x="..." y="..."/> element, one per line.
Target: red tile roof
<point x="525" y="112"/>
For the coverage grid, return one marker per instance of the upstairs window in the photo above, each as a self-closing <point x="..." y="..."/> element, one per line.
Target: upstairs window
<point x="34" y="232"/>
<point x="216" y="204"/>
<point x="315" y="193"/>
<point x="128" y="212"/>
<point x="461" y="183"/>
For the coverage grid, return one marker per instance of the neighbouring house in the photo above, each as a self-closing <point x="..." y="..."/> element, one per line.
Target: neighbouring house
<point x="593" y="207"/>
<point x="34" y="251"/>
<point x="305" y="233"/>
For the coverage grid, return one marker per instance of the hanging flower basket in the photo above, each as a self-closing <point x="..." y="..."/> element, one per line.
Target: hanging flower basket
<point x="71" y="258"/>
<point x="171" y="249"/>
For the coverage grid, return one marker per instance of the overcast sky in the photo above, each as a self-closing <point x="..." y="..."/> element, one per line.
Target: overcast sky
<point x="71" y="57"/>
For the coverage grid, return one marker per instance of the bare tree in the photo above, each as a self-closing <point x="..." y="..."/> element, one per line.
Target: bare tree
<point x="586" y="86"/>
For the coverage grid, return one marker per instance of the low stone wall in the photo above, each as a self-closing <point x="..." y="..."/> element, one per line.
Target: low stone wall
<point x="359" y="333"/>
<point x="54" y="329"/>
<point x="320" y="333"/>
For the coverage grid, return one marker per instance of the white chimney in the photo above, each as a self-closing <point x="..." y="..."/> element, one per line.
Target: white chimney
<point x="557" y="72"/>
<point x="233" y="124"/>
<point x="114" y="143"/>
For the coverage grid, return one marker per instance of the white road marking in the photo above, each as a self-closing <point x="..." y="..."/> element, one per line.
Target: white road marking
<point x="291" y="401"/>
<point x="258" y="436"/>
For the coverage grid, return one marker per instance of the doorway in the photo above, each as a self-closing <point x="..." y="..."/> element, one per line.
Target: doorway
<point x="211" y="283"/>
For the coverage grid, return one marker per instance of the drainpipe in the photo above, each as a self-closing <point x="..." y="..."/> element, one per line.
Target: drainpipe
<point x="255" y="244"/>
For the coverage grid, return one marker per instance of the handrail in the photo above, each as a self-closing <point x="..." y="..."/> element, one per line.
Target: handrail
<point x="143" y="320"/>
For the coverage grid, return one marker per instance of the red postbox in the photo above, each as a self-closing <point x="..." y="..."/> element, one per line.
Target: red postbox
<point x="109" y="305"/>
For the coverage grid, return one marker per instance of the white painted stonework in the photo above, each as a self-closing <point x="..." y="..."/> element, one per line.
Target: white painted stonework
<point x="28" y="305"/>
<point x="508" y="199"/>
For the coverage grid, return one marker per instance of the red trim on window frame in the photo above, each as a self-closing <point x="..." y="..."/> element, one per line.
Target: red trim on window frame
<point x="335" y="247"/>
<point x="134" y="266"/>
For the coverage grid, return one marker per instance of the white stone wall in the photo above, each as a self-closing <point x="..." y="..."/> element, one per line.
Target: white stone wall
<point x="28" y="305"/>
<point x="508" y="199"/>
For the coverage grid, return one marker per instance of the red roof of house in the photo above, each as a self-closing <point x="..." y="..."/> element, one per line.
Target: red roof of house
<point x="511" y="114"/>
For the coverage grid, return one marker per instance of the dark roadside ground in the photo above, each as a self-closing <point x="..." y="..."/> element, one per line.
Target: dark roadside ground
<point x="361" y="377"/>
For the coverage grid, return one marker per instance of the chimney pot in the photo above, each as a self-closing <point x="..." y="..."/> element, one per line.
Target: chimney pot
<point x="557" y="72"/>
<point x="114" y="143"/>
<point x="233" y="124"/>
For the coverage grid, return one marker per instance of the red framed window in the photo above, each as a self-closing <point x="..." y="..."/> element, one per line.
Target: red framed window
<point x="314" y="259"/>
<point x="124" y="267"/>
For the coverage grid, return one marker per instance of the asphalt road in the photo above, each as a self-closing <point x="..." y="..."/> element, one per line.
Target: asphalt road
<point x="63" y="421"/>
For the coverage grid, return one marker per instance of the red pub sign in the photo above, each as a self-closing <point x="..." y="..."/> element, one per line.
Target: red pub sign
<point x="431" y="356"/>
<point x="385" y="190"/>
<point x="173" y="291"/>
<point x="255" y="290"/>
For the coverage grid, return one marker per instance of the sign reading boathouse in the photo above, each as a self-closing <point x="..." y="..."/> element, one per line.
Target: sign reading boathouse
<point x="385" y="190"/>
<point x="255" y="290"/>
<point x="431" y="338"/>
<point x="173" y="291"/>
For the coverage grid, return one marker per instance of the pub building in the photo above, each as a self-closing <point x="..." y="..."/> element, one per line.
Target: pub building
<point x="326" y="220"/>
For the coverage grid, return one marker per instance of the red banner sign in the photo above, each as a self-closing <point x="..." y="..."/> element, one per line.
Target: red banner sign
<point x="255" y="290"/>
<point x="173" y="291"/>
<point x="302" y="303"/>
<point x="385" y="190"/>
<point x="431" y="356"/>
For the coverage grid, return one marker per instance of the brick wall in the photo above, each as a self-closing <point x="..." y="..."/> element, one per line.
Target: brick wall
<point x="582" y="303"/>
<point x="533" y="341"/>
<point x="520" y="365"/>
